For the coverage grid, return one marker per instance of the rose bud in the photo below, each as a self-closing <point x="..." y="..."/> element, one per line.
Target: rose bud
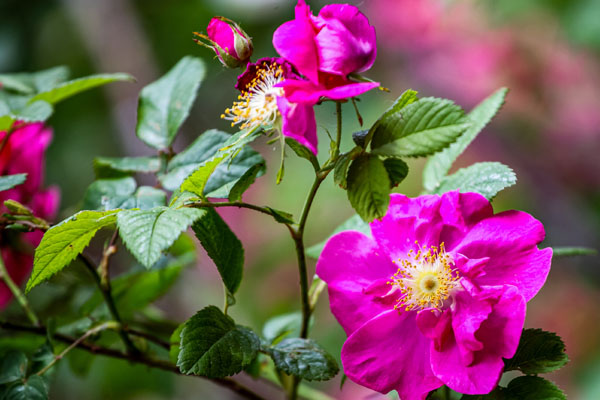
<point x="232" y="45"/>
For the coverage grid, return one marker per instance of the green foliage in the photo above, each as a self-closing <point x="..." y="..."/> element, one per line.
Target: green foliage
<point x="102" y="190"/>
<point x="10" y="181"/>
<point x="304" y="358"/>
<point x="65" y="241"/>
<point x="573" y="251"/>
<point x="397" y="170"/>
<point x="174" y="341"/>
<point x="538" y="352"/>
<point x="106" y="167"/>
<point x="485" y="178"/>
<point x="35" y="82"/>
<point x="439" y="164"/>
<point x="144" y="198"/>
<point x="68" y="89"/>
<point x="303" y="152"/>
<point x="165" y="104"/>
<point x="16" y="108"/>
<point x="13" y="366"/>
<point x="354" y="223"/>
<point x="368" y="187"/>
<point x="146" y="233"/>
<point x="223" y="247"/>
<point x="534" y="388"/>
<point x="212" y="345"/>
<point x="418" y="129"/>
<point x="34" y="388"/>
<point x="277" y="328"/>
<point x="245" y="181"/>
<point x="340" y="170"/>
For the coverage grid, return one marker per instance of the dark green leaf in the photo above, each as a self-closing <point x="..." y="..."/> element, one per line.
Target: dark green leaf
<point x="68" y="89"/>
<point x="538" y="352"/>
<point x="65" y="241"/>
<point x="439" y="164"/>
<point x="421" y="128"/>
<point x="485" y="178"/>
<point x="165" y="104"/>
<point x="406" y="98"/>
<point x="109" y="166"/>
<point x="213" y="346"/>
<point x="242" y="184"/>
<point x="360" y="138"/>
<point x="534" y="388"/>
<point x="303" y="152"/>
<point x="43" y="356"/>
<point x="497" y="394"/>
<point x="144" y="198"/>
<point x="397" y="170"/>
<point x="32" y="389"/>
<point x="13" y="366"/>
<point x="102" y="190"/>
<point x="354" y="223"/>
<point x="282" y="216"/>
<point x="368" y="187"/>
<point x="304" y="358"/>
<point x="146" y="233"/>
<point x="573" y="251"/>
<point x="222" y="246"/>
<point x="10" y="181"/>
<point x="281" y="326"/>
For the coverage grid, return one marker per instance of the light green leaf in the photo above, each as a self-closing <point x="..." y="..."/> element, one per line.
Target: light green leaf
<point x="281" y="326"/>
<point x="146" y="233"/>
<point x="486" y="178"/>
<point x="539" y="352"/>
<point x="10" y="181"/>
<point x="439" y="164"/>
<point x="175" y="341"/>
<point x="340" y="171"/>
<point x="354" y="223"/>
<point x="31" y="83"/>
<point x="144" y="198"/>
<point x="368" y="187"/>
<point x="303" y="152"/>
<point x="245" y="181"/>
<point x="304" y="358"/>
<point x="102" y="190"/>
<point x="13" y="366"/>
<point x="68" y="89"/>
<point x="408" y="97"/>
<point x="108" y="166"/>
<point x="213" y="346"/>
<point x="165" y="104"/>
<point x="65" y="241"/>
<point x="223" y="247"/>
<point x="419" y="129"/>
<point x="15" y="108"/>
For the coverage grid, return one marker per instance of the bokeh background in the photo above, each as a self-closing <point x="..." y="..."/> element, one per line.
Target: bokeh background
<point x="546" y="51"/>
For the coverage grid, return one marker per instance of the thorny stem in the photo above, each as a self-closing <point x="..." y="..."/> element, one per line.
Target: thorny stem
<point x="108" y="299"/>
<point x="135" y="358"/>
<point x="17" y="293"/>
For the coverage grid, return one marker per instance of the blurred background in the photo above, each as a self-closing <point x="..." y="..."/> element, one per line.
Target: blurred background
<point x="546" y="51"/>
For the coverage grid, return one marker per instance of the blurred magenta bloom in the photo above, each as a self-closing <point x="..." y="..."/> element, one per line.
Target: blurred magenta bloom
<point x="437" y="295"/>
<point x="262" y="102"/>
<point x="326" y="49"/>
<point x="24" y="152"/>
<point x="232" y="45"/>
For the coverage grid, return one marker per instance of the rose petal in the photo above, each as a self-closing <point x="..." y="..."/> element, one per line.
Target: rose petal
<point x="299" y="123"/>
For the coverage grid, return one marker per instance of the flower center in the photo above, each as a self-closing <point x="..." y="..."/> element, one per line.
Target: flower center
<point x="257" y="105"/>
<point x="425" y="279"/>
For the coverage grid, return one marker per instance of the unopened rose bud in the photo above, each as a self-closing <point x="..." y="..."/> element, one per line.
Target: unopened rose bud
<point x="232" y="45"/>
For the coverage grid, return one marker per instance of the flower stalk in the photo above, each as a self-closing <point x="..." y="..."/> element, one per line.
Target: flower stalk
<point x="17" y="293"/>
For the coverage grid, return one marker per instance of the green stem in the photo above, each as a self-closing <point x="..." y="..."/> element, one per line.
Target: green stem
<point x="16" y="291"/>
<point x="338" y="111"/>
<point x="239" y="204"/>
<point x="108" y="299"/>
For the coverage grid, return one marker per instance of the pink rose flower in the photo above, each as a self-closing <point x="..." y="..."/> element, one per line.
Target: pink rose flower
<point x="232" y="45"/>
<point x="326" y="49"/>
<point x="263" y="102"/>
<point x="24" y="152"/>
<point x="437" y="295"/>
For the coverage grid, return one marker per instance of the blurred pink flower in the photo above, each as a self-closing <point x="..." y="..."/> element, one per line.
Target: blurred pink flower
<point x="24" y="153"/>
<point x="437" y="295"/>
<point x="326" y="49"/>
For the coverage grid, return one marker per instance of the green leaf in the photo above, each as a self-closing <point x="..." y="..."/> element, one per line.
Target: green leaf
<point x="304" y="358"/>
<point x="32" y="389"/>
<point x="144" y="198"/>
<point x="538" y="352"/>
<point x="109" y="166"/>
<point x="15" y="108"/>
<point x="354" y="223"/>
<point x="213" y="346"/>
<point x="165" y="104"/>
<point x="13" y="366"/>
<point x="102" y="190"/>
<point x="203" y="164"/>
<point x="303" y="152"/>
<point x="68" y="89"/>
<point x="439" y="164"/>
<point x="573" y="251"/>
<point x="340" y="171"/>
<point x="485" y="178"/>
<point x="534" y="388"/>
<point x="242" y="184"/>
<point x="397" y="170"/>
<point x="281" y="326"/>
<point x="31" y="83"/>
<point x="368" y="187"/>
<point x="282" y="216"/>
<point x="498" y="393"/>
<point x="146" y="233"/>
<point x="174" y="341"/>
<point x="10" y="181"/>
<point x="65" y="241"/>
<point x="222" y="246"/>
<point x="408" y="97"/>
<point x="421" y="128"/>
